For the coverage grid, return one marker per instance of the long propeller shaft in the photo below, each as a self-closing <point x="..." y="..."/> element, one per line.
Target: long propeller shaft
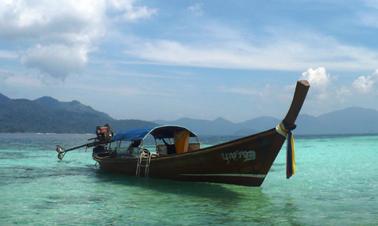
<point x="61" y="151"/>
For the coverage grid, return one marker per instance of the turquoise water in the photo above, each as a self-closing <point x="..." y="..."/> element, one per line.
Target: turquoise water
<point x="336" y="184"/>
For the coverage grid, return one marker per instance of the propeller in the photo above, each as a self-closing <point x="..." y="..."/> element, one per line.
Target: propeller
<point x="60" y="151"/>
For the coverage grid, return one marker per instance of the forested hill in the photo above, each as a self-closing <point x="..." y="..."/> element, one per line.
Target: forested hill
<point x="48" y="115"/>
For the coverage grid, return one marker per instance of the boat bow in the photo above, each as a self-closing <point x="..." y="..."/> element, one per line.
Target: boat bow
<point x="299" y="97"/>
<point x="288" y="124"/>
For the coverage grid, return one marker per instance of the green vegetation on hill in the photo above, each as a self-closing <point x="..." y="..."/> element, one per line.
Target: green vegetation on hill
<point x="48" y="115"/>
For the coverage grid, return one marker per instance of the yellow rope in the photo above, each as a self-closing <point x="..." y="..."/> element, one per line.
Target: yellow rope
<point x="293" y="164"/>
<point x="290" y="158"/>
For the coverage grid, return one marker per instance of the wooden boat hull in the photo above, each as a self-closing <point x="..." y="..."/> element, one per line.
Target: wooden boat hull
<point x="245" y="161"/>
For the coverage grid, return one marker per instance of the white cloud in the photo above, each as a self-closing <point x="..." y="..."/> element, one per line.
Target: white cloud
<point x="369" y="19"/>
<point x="130" y="12"/>
<point x="196" y="9"/>
<point x="58" y="33"/>
<point x="371" y="3"/>
<point x="318" y="78"/>
<point x="369" y="16"/>
<point x="319" y="81"/>
<point x="23" y="81"/>
<point x="69" y="20"/>
<point x="4" y="54"/>
<point x="343" y="92"/>
<point x="365" y="84"/>
<point x="275" y="52"/>
<point x="176" y="53"/>
<point x="240" y="91"/>
<point x="19" y="80"/>
<point x="56" y="60"/>
<point x="322" y="93"/>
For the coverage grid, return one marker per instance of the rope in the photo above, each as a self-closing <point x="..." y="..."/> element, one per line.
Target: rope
<point x="285" y="131"/>
<point x="280" y="128"/>
<point x="290" y="156"/>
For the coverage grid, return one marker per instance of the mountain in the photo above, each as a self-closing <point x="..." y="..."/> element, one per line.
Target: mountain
<point x="256" y="125"/>
<point x="223" y="127"/>
<point x="219" y="126"/>
<point x="353" y="120"/>
<point x="47" y="114"/>
<point x="3" y="99"/>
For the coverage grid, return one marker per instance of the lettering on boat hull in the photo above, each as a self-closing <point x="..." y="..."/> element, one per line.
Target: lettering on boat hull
<point x="246" y="155"/>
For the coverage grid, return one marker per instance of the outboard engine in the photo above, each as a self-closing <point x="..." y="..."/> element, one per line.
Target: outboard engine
<point x="104" y="135"/>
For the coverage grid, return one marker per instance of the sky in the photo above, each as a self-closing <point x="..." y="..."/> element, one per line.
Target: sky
<point x="169" y="59"/>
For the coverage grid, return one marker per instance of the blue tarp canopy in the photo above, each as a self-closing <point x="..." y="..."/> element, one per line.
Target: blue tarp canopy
<point x="157" y="133"/>
<point x="133" y="134"/>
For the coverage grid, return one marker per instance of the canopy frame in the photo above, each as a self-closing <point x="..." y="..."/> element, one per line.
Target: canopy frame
<point x="159" y="132"/>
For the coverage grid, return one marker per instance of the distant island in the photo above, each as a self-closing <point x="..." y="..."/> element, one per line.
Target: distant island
<point x="48" y="115"/>
<point x="353" y="120"/>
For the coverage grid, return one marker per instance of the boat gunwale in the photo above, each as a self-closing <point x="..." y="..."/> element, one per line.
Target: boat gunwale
<point x="199" y="151"/>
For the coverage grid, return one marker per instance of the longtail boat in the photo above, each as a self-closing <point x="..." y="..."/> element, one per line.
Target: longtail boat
<point x="174" y="152"/>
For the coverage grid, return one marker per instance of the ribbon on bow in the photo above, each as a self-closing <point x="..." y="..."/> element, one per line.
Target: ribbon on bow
<point x="290" y="147"/>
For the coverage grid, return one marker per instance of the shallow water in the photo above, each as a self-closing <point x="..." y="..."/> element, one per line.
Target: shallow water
<point x="336" y="184"/>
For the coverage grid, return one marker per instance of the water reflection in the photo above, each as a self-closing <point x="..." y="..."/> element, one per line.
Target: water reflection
<point x="220" y="203"/>
<point x="208" y="190"/>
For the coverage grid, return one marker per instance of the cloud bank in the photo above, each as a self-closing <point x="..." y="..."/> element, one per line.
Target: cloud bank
<point x="276" y="52"/>
<point x="59" y="35"/>
<point x="366" y="84"/>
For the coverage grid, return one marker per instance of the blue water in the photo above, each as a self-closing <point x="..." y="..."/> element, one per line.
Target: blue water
<point x="336" y="184"/>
